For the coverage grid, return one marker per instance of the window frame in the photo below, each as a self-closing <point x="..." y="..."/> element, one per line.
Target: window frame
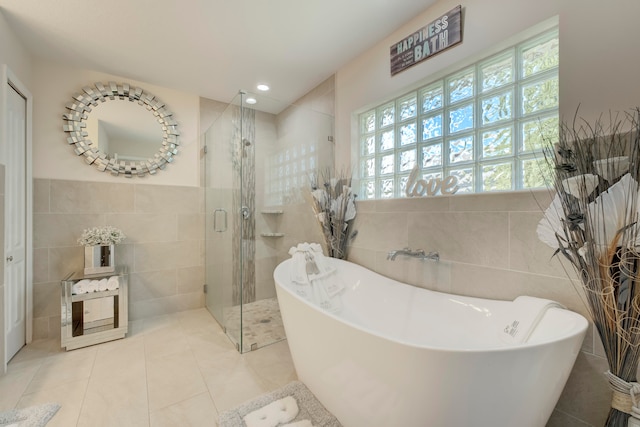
<point x="519" y="156"/>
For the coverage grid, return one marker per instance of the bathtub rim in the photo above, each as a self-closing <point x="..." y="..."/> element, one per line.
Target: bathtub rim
<point x="580" y="328"/>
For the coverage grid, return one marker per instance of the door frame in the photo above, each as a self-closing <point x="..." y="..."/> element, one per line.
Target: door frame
<point x="9" y="78"/>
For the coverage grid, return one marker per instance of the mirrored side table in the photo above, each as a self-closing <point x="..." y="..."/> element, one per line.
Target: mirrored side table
<point x="97" y="316"/>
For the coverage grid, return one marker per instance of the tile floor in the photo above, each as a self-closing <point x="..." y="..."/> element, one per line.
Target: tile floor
<point x="174" y="370"/>
<point x="261" y="324"/>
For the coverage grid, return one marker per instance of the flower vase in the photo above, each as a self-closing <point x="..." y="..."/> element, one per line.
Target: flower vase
<point x="99" y="259"/>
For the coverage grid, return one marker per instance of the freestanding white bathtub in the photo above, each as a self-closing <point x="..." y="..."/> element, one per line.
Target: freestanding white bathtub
<point x="398" y="355"/>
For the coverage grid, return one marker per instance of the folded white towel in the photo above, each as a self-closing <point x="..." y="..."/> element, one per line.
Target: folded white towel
<point x="318" y="284"/>
<point x="80" y="287"/>
<point x="299" y="276"/>
<point x="299" y="272"/>
<point x="93" y="285"/>
<point x="314" y="254"/>
<point x="519" y="321"/>
<point x="326" y="276"/>
<point x="323" y="299"/>
<point x="304" y="290"/>
<point x="113" y="283"/>
<point x="102" y="284"/>
<point x="276" y="413"/>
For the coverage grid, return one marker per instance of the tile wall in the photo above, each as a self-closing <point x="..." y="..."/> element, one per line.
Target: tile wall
<point x="2" y="326"/>
<point x="311" y="123"/>
<point x="308" y="122"/>
<point x="489" y="248"/>
<point x="164" y="248"/>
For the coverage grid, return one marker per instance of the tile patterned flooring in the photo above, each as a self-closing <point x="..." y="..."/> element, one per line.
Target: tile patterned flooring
<point x="261" y="323"/>
<point x="174" y="370"/>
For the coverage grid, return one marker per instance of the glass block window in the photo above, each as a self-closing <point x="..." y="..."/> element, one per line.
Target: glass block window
<point x="287" y="170"/>
<point x="486" y="124"/>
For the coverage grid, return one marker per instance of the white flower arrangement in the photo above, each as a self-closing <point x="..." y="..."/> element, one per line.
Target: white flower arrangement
<point x="101" y="236"/>
<point x="333" y="203"/>
<point x="593" y="222"/>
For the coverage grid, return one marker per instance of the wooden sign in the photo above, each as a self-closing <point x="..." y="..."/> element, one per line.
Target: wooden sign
<point x="433" y="38"/>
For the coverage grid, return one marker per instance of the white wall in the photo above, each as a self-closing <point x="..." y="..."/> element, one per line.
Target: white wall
<point x="599" y="59"/>
<point x="599" y="66"/>
<point x="14" y="54"/>
<point x="55" y="84"/>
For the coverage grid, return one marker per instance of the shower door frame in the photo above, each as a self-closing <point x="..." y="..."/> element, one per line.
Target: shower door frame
<point x="238" y="150"/>
<point x="222" y="218"/>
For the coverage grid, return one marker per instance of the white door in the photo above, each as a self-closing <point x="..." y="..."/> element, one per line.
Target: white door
<point x="15" y="221"/>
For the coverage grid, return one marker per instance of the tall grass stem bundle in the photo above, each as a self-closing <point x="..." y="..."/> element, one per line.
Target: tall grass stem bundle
<point x="333" y="202"/>
<point x="592" y="222"/>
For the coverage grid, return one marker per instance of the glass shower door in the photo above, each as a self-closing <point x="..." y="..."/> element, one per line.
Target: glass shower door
<point x="223" y="187"/>
<point x="258" y="162"/>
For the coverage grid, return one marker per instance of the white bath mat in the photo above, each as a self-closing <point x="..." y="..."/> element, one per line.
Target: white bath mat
<point x="310" y="411"/>
<point x="33" y="416"/>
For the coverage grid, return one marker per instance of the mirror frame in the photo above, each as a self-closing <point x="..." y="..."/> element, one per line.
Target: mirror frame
<point x="75" y="126"/>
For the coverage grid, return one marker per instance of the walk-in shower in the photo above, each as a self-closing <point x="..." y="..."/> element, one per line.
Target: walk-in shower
<point x="258" y="161"/>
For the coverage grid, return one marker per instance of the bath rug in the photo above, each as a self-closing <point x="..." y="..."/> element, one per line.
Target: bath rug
<point x="33" y="416"/>
<point x="309" y="408"/>
<point x="274" y="414"/>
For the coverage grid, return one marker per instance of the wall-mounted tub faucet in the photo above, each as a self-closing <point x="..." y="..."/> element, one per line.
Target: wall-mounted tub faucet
<point x="419" y="253"/>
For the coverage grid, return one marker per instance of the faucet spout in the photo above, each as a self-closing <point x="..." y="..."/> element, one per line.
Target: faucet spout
<point x="391" y="256"/>
<point x="419" y="253"/>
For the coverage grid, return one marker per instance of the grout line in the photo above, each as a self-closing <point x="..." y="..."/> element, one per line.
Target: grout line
<point x="143" y="332"/>
<point x="84" y="395"/>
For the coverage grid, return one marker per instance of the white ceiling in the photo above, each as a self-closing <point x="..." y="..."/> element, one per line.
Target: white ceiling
<point x="211" y="48"/>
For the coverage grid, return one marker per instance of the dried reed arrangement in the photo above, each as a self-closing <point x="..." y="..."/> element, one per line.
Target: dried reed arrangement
<point x="593" y="223"/>
<point x="333" y="203"/>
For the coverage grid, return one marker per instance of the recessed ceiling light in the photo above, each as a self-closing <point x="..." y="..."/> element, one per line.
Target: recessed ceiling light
<point x="250" y="100"/>
<point x="263" y="87"/>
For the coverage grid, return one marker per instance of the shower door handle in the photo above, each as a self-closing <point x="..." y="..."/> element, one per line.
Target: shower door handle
<point x="245" y="212"/>
<point x="223" y="214"/>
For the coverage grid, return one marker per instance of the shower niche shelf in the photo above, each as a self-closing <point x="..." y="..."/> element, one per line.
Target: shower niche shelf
<point x="271" y="213"/>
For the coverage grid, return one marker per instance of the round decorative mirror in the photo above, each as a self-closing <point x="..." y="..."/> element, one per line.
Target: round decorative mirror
<point x="122" y="136"/>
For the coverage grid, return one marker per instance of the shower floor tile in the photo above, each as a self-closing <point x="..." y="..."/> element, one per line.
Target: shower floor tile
<point x="261" y="324"/>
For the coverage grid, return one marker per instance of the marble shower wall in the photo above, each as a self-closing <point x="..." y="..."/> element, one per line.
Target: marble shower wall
<point x="164" y="248"/>
<point x="243" y="143"/>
